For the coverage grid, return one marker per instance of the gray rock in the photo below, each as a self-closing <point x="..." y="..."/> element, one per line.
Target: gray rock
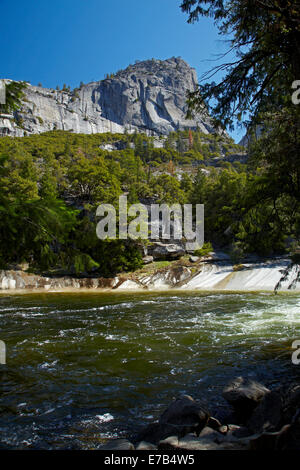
<point x="194" y="259"/>
<point x="185" y="415"/>
<point x="149" y="96"/>
<point x="161" y="251"/>
<point x="244" y="395"/>
<point x="118" y="444"/>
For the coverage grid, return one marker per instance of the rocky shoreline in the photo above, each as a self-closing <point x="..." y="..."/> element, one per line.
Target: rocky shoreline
<point x="257" y="419"/>
<point x="206" y="274"/>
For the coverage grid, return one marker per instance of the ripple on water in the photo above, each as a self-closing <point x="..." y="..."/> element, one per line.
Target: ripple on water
<point x="85" y="367"/>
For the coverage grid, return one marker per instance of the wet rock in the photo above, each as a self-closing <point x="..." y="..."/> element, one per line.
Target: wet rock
<point x="118" y="444"/>
<point x="185" y="415"/>
<point x="244" y="395"/>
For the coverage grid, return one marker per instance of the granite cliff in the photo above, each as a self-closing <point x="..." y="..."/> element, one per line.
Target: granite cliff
<point x="149" y="96"/>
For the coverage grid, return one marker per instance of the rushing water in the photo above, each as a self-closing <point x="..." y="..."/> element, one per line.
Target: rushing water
<point x="85" y="367"/>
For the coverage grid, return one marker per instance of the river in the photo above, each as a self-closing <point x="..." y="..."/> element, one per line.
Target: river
<point x="82" y="368"/>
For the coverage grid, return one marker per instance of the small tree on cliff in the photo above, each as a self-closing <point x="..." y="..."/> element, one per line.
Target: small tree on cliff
<point x="14" y="92"/>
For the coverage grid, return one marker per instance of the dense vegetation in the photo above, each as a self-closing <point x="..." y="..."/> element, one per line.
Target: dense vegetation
<point x="51" y="185"/>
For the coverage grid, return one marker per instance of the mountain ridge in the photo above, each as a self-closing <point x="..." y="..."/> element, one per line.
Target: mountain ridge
<point x="149" y="96"/>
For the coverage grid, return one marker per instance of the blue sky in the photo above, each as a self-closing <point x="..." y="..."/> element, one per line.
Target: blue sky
<point x="68" y="41"/>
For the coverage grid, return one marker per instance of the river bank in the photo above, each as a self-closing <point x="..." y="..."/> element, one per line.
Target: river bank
<point x="257" y="418"/>
<point x="203" y="275"/>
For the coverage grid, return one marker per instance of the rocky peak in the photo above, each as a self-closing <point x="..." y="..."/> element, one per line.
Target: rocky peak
<point x="149" y="96"/>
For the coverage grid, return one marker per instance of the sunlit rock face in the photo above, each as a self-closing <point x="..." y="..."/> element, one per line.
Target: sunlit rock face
<point x="148" y="97"/>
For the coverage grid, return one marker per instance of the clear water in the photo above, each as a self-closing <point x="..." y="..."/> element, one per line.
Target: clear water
<point x="86" y="367"/>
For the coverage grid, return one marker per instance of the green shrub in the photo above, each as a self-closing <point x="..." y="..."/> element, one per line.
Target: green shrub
<point x="205" y="250"/>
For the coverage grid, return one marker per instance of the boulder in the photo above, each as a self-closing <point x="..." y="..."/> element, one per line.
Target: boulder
<point x="244" y="395"/>
<point x="185" y="415"/>
<point x="276" y="409"/>
<point x="161" y="251"/>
